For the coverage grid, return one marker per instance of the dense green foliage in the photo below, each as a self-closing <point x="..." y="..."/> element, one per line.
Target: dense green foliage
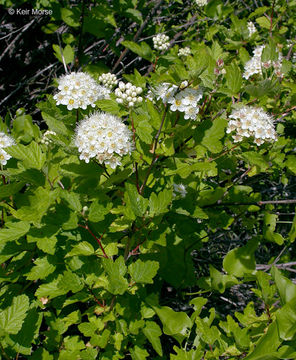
<point x="90" y="254"/>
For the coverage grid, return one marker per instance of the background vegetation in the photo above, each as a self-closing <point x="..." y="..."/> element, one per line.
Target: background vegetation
<point x="102" y="263"/>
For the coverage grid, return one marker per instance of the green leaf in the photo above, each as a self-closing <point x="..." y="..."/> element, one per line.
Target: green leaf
<point x="152" y="332"/>
<point x="39" y="202"/>
<point x="269" y="229"/>
<point x="267" y="345"/>
<point x="23" y="340"/>
<point x="98" y="211"/>
<point x="269" y="52"/>
<point x="12" y="318"/>
<point x="138" y="353"/>
<point x="286" y="321"/>
<point x="144" y="131"/>
<point x="209" y="133"/>
<point x="286" y="288"/>
<point x="71" y="16"/>
<point x="73" y="199"/>
<point x="31" y="155"/>
<point x="67" y="53"/>
<point x="137" y="202"/>
<point x="41" y="269"/>
<point x="116" y="270"/>
<point x="241" y="261"/>
<point x="55" y="125"/>
<point x="159" y="203"/>
<point x="219" y="281"/>
<point x="263" y="22"/>
<point x="292" y="233"/>
<point x="233" y="78"/>
<point x="70" y="282"/>
<point x="174" y="323"/>
<point x="50" y="289"/>
<point x="83" y="248"/>
<point x="15" y="231"/>
<point x="142" y="49"/>
<point x="143" y="272"/>
<point x="10" y="189"/>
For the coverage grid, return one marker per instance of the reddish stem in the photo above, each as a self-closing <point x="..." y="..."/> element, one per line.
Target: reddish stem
<point x="97" y="239"/>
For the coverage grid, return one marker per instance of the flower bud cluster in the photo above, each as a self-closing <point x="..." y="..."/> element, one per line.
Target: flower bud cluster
<point x="161" y="42"/>
<point x="46" y="138"/>
<point x="5" y="141"/>
<point x="254" y="65"/>
<point x="184" y="51"/>
<point x="78" y="90"/>
<point x="109" y="80"/>
<point x="128" y="94"/>
<point x="252" y="28"/>
<point x="250" y="121"/>
<point x="103" y="137"/>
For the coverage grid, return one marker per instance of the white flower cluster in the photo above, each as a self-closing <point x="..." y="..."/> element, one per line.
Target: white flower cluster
<point x="78" y="90"/>
<point x="252" y="28"/>
<point x="183" y="100"/>
<point x="161" y="42"/>
<point x="109" y="80"/>
<point x="46" y="138"/>
<point x="201" y="2"/>
<point x="250" y="121"/>
<point x="104" y="137"/>
<point x="184" y="51"/>
<point x="254" y="66"/>
<point x="5" y="141"/>
<point x="180" y="189"/>
<point x="128" y="94"/>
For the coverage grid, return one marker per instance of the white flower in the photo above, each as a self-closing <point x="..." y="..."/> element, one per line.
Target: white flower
<point x="161" y="42"/>
<point x="254" y="65"/>
<point x="250" y="121"/>
<point x="4" y="157"/>
<point x="201" y="2"/>
<point x="78" y="90"/>
<point x="186" y="101"/>
<point x="191" y="112"/>
<point x="165" y="91"/>
<point x="109" y="80"/>
<point x="252" y="28"/>
<point x="181" y="189"/>
<point x="46" y="138"/>
<point x="104" y="137"/>
<point x="128" y="94"/>
<point x="5" y="140"/>
<point x="184" y="52"/>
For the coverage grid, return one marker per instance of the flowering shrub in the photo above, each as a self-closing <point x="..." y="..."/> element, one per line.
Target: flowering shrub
<point x="153" y="216"/>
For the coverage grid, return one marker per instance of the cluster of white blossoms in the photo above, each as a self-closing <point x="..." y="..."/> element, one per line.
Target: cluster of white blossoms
<point x="180" y="189"/>
<point x="252" y="28"/>
<point x="201" y="2"/>
<point x="128" y="94"/>
<point x="183" y="99"/>
<point x="46" y="138"/>
<point x="250" y="121"/>
<point x="104" y="137"/>
<point x="184" y="51"/>
<point x="5" y="141"/>
<point x="161" y="42"/>
<point x="109" y="80"/>
<point x="78" y="90"/>
<point x="254" y="65"/>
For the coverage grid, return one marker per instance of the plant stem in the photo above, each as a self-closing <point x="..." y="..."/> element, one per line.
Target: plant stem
<point x="97" y="239"/>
